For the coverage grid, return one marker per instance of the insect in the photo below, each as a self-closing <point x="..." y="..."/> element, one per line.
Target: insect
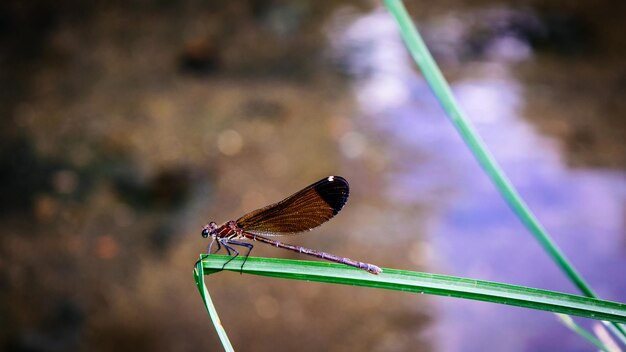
<point x="302" y="211"/>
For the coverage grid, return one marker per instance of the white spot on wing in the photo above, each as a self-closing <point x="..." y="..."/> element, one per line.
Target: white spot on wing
<point x="331" y="178"/>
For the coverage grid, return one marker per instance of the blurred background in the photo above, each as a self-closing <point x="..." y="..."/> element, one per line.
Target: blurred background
<point x="128" y="125"/>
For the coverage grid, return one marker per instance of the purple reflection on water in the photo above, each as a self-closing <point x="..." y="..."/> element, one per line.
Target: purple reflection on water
<point x="474" y="233"/>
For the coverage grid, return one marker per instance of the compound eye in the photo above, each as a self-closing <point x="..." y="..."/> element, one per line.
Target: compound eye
<point x="205" y="232"/>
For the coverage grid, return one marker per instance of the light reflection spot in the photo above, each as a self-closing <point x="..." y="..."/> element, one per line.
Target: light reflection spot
<point x="229" y="142"/>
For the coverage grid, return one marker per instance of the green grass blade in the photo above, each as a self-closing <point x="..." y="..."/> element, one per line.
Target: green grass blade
<point x="441" y="89"/>
<point x="570" y="323"/>
<point x="619" y="330"/>
<point x="409" y="281"/>
<point x="198" y="274"/>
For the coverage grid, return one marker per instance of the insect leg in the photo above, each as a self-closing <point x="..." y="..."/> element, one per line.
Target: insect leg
<point x="228" y="249"/>
<point x="243" y="244"/>
<point x="219" y="246"/>
<point x="208" y="249"/>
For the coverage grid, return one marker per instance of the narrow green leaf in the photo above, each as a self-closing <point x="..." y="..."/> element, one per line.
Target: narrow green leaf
<point x="198" y="274"/>
<point x="420" y="53"/>
<point x="409" y="281"/>
<point x="570" y="323"/>
<point x="442" y="91"/>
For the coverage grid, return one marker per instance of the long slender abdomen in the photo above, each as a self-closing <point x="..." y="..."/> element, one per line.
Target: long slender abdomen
<point x="323" y="255"/>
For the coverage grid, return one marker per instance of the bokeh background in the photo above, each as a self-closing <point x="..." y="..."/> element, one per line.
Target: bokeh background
<point x="128" y="125"/>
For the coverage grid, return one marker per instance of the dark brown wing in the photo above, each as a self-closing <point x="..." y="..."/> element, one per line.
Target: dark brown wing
<point x="302" y="211"/>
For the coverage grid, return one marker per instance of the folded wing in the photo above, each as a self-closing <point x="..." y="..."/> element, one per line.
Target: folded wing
<point x="302" y="211"/>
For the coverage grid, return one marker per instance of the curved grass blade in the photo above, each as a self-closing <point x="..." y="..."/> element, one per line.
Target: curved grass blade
<point x="441" y="89"/>
<point x="198" y="275"/>
<point x="410" y="281"/>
